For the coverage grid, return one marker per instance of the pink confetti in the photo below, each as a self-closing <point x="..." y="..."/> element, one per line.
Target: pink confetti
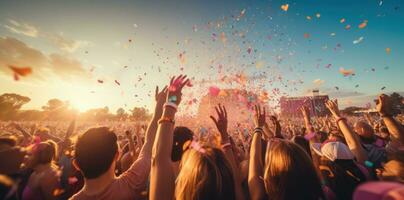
<point x="214" y="91"/>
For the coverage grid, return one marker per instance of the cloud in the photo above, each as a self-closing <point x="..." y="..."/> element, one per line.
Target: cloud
<point x="318" y="82"/>
<point x="16" y="52"/>
<point x="66" y="44"/>
<point x="21" y="28"/>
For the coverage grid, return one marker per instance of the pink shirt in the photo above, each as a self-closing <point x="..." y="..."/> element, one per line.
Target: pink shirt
<point x="130" y="185"/>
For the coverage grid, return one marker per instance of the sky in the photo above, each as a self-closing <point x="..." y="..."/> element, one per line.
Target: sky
<point x="114" y="53"/>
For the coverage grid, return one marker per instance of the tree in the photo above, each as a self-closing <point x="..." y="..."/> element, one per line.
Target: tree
<point x="121" y="114"/>
<point x="10" y="104"/>
<point x="140" y="114"/>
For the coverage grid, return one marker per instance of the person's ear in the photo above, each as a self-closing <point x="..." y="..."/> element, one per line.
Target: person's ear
<point x="75" y="165"/>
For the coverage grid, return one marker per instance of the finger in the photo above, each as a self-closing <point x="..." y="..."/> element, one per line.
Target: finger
<point x="214" y="120"/>
<point x="265" y="111"/>
<point x="220" y="109"/>
<point x="184" y="83"/>
<point x="225" y="112"/>
<point x="217" y="111"/>
<point x="157" y="90"/>
<point x="259" y="110"/>
<point x="165" y="89"/>
<point x="172" y="80"/>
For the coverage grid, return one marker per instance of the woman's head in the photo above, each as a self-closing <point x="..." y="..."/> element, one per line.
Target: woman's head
<point x="205" y="174"/>
<point x="289" y="172"/>
<point x="43" y="153"/>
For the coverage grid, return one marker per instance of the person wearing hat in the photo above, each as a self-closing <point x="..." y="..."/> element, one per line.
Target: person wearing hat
<point x="338" y="168"/>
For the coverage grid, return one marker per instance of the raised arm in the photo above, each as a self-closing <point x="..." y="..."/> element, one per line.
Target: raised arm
<point x="152" y="127"/>
<point x="162" y="180"/>
<point x="277" y="126"/>
<point x="221" y="124"/>
<point x="351" y="138"/>
<point x="256" y="169"/>
<point x="384" y="108"/>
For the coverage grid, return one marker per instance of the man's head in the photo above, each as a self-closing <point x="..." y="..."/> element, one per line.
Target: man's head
<point x="364" y="130"/>
<point x="95" y="151"/>
<point x="181" y="136"/>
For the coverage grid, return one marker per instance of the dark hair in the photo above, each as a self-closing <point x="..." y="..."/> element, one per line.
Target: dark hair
<point x="10" y="141"/>
<point x="342" y="176"/>
<point x="95" y="150"/>
<point x="302" y="142"/>
<point x="181" y="136"/>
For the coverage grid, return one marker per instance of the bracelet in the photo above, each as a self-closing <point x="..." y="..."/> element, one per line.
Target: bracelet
<point x="340" y="118"/>
<point x="258" y="129"/>
<point x="226" y="145"/>
<point x="166" y="120"/>
<point x="171" y="105"/>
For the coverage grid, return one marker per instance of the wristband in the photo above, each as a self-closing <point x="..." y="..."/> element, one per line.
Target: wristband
<point x="340" y="118"/>
<point x="258" y="129"/>
<point x="226" y="145"/>
<point x="172" y="99"/>
<point x="166" y="120"/>
<point x="171" y="105"/>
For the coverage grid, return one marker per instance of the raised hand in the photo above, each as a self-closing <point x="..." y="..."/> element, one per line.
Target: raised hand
<point x="160" y="97"/>
<point x="174" y="91"/>
<point x="259" y="116"/>
<point x="221" y="122"/>
<point x="333" y="107"/>
<point x="305" y="111"/>
<point x="383" y="105"/>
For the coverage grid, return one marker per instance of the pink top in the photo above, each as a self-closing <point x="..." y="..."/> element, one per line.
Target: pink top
<point x="129" y="185"/>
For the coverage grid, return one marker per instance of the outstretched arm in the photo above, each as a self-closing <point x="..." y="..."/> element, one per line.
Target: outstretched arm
<point x="162" y="183"/>
<point x="255" y="171"/>
<point x="221" y="124"/>
<point x="351" y="138"/>
<point x="384" y="108"/>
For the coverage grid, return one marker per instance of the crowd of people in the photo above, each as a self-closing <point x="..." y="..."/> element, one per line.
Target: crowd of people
<point x="316" y="158"/>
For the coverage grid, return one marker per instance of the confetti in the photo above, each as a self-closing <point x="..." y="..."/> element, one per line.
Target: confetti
<point x="342" y="20"/>
<point x="308" y="17"/>
<point x="388" y="50"/>
<point x="285" y="7"/>
<point x="383" y="88"/>
<point x="359" y="40"/>
<point x="363" y="24"/>
<point x="318" y="15"/>
<point x="100" y="81"/>
<point x="249" y="50"/>
<point x="117" y="82"/>
<point x="20" y="71"/>
<point x="214" y="91"/>
<point x="347" y="27"/>
<point x="306" y="35"/>
<point x="346" y="72"/>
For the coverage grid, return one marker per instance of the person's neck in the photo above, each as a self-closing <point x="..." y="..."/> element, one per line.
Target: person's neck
<point x="96" y="185"/>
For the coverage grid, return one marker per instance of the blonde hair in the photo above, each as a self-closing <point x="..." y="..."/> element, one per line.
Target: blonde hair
<point x="205" y="175"/>
<point x="289" y="172"/>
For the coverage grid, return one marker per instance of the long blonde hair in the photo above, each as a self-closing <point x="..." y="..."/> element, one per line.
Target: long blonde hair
<point x="289" y="173"/>
<point x="205" y="174"/>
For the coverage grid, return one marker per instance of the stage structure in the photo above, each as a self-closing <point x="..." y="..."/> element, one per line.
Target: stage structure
<point x="290" y="106"/>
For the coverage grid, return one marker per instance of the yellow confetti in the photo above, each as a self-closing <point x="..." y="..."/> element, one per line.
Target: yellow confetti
<point x="308" y="18"/>
<point x="388" y="50"/>
<point x="285" y="7"/>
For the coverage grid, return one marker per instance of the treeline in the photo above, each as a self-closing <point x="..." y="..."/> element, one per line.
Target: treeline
<point x="58" y="110"/>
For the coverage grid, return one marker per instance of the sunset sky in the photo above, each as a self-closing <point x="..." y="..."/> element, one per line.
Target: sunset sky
<point x="72" y="45"/>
